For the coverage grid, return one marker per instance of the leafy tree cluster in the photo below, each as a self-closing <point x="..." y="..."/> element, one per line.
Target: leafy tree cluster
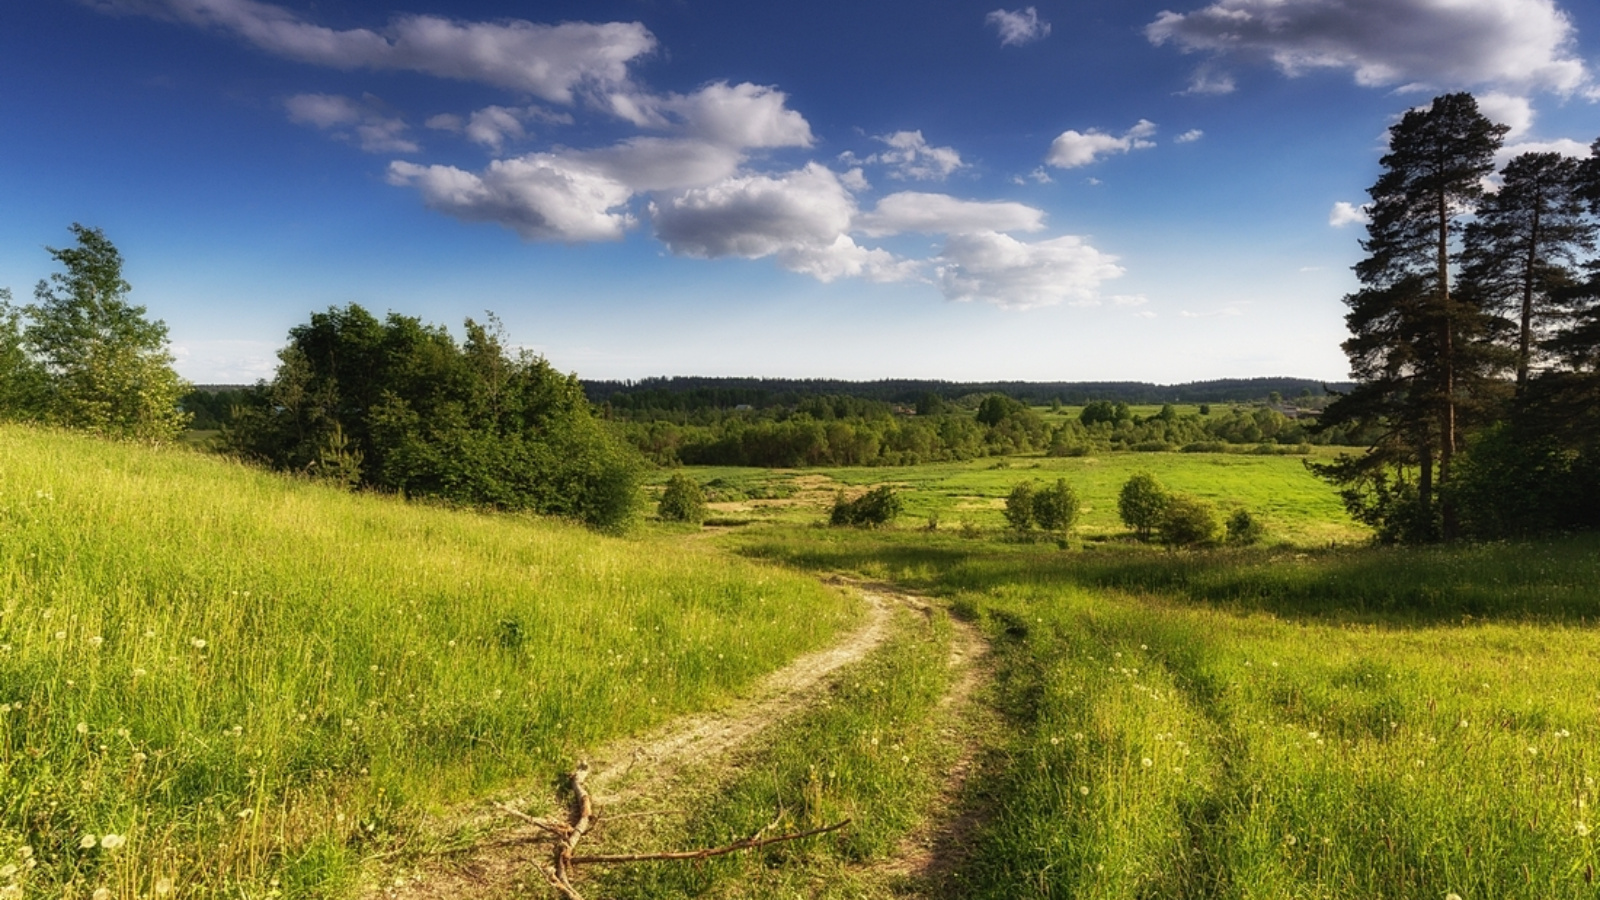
<point x="1475" y="337"/>
<point x="682" y="500"/>
<point x="1179" y="520"/>
<point x="398" y="405"/>
<point x="82" y="356"/>
<point x="1053" y="508"/>
<point x="876" y="507"/>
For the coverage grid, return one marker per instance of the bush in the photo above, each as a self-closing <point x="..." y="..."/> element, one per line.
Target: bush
<point x="876" y="507"/>
<point x="1056" y="507"/>
<point x="1019" y="507"/>
<point x="1244" y="529"/>
<point x="1187" y="521"/>
<point x="1141" y="503"/>
<point x="682" y="500"/>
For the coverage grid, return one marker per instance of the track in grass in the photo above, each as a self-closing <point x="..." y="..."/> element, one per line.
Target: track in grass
<point x="643" y="769"/>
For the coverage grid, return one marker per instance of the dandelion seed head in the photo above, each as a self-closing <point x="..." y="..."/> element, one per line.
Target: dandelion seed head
<point x="1290" y="840"/>
<point x="8" y="870"/>
<point x="61" y="635"/>
<point x="96" y="641"/>
<point x="1582" y="828"/>
<point x="101" y="893"/>
<point x="87" y="841"/>
<point x="163" y="885"/>
<point x="1147" y="762"/>
<point x="197" y="643"/>
<point x="1083" y="789"/>
<point x="112" y="841"/>
<point x="83" y="727"/>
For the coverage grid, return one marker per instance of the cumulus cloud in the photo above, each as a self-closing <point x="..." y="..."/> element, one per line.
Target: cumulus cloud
<point x="1347" y="213"/>
<point x="358" y="121"/>
<point x="1563" y="146"/>
<point x="548" y="61"/>
<point x="911" y="211"/>
<point x="1018" y="27"/>
<point x="910" y="156"/>
<point x="541" y="196"/>
<point x="1074" y="148"/>
<point x="1189" y="137"/>
<point x="1509" y="110"/>
<point x="1522" y="44"/>
<point x="999" y="269"/>
<point x="742" y="115"/>
<point x="756" y="215"/>
<point x="662" y="164"/>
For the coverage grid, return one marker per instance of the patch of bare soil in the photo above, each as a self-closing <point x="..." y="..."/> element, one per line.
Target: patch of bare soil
<point x="507" y="864"/>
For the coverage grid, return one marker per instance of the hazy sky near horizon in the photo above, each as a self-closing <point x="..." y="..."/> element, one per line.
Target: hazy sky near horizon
<point x="1079" y="190"/>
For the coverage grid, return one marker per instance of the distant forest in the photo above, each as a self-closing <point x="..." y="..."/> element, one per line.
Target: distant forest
<point x="697" y="393"/>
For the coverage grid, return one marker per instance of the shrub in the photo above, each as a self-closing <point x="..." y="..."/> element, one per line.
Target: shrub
<point x="1187" y="521"/>
<point x="1056" y="507"/>
<point x="1019" y="507"/>
<point x="682" y="500"/>
<point x="878" y="506"/>
<point x="1140" y="504"/>
<point x="1243" y="528"/>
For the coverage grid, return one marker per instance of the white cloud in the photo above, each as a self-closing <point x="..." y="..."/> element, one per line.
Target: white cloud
<point x="1563" y="146"/>
<point x="548" y="61"/>
<point x="845" y="258"/>
<point x="445" y="122"/>
<point x="999" y="269"/>
<point x="1018" y="27"/>
<point x="910" y="156"/>
<point x="1074" y="148"/>
<point x="1213" y="313"/>
<point x="493" y="126"/>
<point x="1523" y="44"/>
<point x="944" y="214"/>
<point x="742" y="115"/>
<point x="540" y="196"/>
<point x="358" y="121"/>
<point x="1189" y="137"/>
<point x="662" y="164"/>
<point x="1347" y="213"/>
<point x="752" y="216"/>
<point x="1510" y="110"/>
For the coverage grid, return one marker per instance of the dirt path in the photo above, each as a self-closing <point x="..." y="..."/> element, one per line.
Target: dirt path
<point x="642" y="767"/>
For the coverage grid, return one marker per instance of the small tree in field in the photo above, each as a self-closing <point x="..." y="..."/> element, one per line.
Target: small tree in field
<point x="106" y="365"/>
<point x="1244" y="529"/>
<point x="1187" y="521"/>
<point x="682" y="501"/>
<point x="876" y="507"/>
<point x="1019" y="507"/>
<point x="1141" y="503"/>
<point x="1055" y="508"/>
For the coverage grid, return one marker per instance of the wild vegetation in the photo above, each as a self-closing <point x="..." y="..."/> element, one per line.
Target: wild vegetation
<point x="220" y="681"/>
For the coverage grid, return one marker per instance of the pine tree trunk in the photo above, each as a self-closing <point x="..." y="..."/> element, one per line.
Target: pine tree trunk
<point x="1447" y="372"/>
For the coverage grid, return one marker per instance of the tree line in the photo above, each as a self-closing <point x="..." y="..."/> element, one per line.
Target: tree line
<point x="1474" y="337"/>
<point x="394" y="405"/>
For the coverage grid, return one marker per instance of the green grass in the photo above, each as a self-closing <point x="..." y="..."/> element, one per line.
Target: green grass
<point x="873" y="753"/>
<point x="263" y="684"/>
<point x="1295" y="507"/>
<point x="1372" y="723"/>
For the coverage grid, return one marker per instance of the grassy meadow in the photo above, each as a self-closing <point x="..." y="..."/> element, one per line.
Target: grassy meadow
<point x="220" y="682"/>
<point x="1293" y="504"/>
<point x="1271" y="723"/>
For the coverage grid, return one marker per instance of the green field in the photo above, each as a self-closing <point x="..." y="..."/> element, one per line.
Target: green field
<point x="221" y="680"/>
<point x="1293" y="504"/>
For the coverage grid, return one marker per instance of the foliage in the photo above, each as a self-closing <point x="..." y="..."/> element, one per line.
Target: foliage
<point x="401" y="406"/>
<point x="1244" y="529"/>
<point x="996" y="408"/>
<point x="278" y="682"/>
<point x="87" y="358"/>
<point x="1055" y="507"/>
<point x="1186" y="521"/>
<point x="1019" y="507"/>
<point x="876" y="507"/>
<point x="1140" y="504"/>
<point x="682" y="500"/>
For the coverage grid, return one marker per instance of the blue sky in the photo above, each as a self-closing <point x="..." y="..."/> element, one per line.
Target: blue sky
<point x="1164" y="191"/>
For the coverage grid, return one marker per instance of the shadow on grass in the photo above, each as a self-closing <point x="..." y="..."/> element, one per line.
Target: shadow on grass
<point x="1554" y="580"/>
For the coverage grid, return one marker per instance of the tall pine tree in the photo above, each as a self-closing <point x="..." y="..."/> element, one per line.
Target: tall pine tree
<point x="1417" y="348"/>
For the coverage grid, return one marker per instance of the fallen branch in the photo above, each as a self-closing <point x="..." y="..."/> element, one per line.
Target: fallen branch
<point x="708" y="852"/>
<point x="567" y="834"/>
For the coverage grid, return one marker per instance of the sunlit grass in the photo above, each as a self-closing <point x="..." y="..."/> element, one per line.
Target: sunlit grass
<point x="1267" y="724"/>
<point x="254" y="683"/>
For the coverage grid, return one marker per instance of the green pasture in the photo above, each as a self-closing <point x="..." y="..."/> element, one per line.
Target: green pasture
<point x="216" y="681"/>
<point x="1295" y="506"/>
<point x="1366" y="723"/>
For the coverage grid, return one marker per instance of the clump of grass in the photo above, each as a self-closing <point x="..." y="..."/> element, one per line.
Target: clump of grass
<point x="254" y="683"/>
